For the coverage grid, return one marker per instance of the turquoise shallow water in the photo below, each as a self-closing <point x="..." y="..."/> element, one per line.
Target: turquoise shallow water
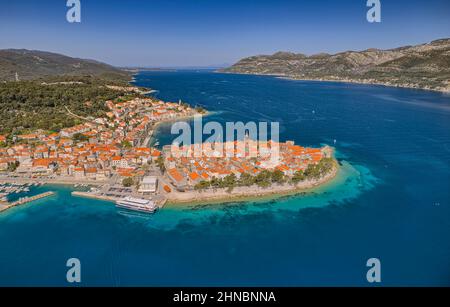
<point x="390" y="200"/>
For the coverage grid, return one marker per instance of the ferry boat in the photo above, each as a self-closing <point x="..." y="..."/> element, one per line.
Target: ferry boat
<point x="137" y="204"/>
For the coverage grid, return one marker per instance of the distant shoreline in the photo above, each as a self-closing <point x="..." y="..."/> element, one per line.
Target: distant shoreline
<point x="349" y="81"/>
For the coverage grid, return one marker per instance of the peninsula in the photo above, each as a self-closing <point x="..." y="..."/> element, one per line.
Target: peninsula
<point x="108" y="147"/>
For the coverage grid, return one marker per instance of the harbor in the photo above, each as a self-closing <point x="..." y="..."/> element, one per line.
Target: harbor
<point x="15" y="188"/>
<point x="14" y="193"/>
<point x="124" y="198"/>
<point x="122" y="195"/>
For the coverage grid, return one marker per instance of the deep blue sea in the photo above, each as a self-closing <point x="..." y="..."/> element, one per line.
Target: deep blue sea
<point x="390" y="201"/>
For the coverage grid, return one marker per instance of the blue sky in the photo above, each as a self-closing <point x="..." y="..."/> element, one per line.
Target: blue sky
<point x="214" y="32"/>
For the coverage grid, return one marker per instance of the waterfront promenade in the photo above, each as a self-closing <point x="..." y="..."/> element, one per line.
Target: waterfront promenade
<point x="59" y="180"/>
<point x="159" y="200"/>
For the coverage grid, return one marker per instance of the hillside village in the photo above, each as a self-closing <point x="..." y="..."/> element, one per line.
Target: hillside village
<point x="96" y="150"/>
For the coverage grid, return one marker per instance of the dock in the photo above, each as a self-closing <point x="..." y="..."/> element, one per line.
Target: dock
<point x="24" y="200"/>
<point x="159" y="200"/>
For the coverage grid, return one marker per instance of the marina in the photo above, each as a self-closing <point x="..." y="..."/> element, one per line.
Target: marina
<point x="14" y="188"/>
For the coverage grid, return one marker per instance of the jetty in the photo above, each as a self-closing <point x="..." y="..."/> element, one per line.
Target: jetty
<point x="24" y="200"/>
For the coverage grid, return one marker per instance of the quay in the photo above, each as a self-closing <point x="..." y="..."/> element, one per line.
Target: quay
<point x="5" y="205"/>
<point x="159" y="200"/>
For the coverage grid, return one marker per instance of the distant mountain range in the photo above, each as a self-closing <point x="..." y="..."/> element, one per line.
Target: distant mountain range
<point x="32" y="64"/>
<point x="425" y="66"/>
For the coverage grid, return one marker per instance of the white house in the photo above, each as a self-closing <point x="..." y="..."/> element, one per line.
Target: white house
<point x="148" y="185"/>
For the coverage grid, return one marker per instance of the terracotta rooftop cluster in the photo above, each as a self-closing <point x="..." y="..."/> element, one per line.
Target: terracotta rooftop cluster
<point x="187" y="168"/>
<point x="95" y="149"/>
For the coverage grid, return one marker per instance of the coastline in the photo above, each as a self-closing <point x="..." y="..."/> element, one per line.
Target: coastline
<point x="353" y="81"/>
<point x="350" y="81"/>
<point x="162" y="122"/>
<point x="216" y="196"/>
<point x="69" y="182"/>
<point x="252" y="193"/>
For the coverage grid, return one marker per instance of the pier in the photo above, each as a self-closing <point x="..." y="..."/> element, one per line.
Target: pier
<point x="24" y="200"/>
<point x="159" y="200"/>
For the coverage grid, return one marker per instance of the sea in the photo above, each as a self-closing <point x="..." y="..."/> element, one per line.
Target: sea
<point x="390" y="200"/>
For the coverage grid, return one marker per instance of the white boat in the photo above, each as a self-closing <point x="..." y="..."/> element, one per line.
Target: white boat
<point x="137" y="204"/>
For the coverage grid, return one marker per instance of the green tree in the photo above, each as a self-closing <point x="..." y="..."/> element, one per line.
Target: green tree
<point x="315" y="171"/>
<point x="80" y="138"/>
<point x="263" y="179"/>
<point x="160" y="164"/>
<point x="230" y="181"/>
<point x="202" y="185"/>
<point x="246" y="180"/>
<point x="216" y="182"/>
<point x="278" y="176"/>
<point x="298" y="176"/>
<point x="13" y="166"/>
<point x="128" y="182"/>
<point x="126" y="145"/>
